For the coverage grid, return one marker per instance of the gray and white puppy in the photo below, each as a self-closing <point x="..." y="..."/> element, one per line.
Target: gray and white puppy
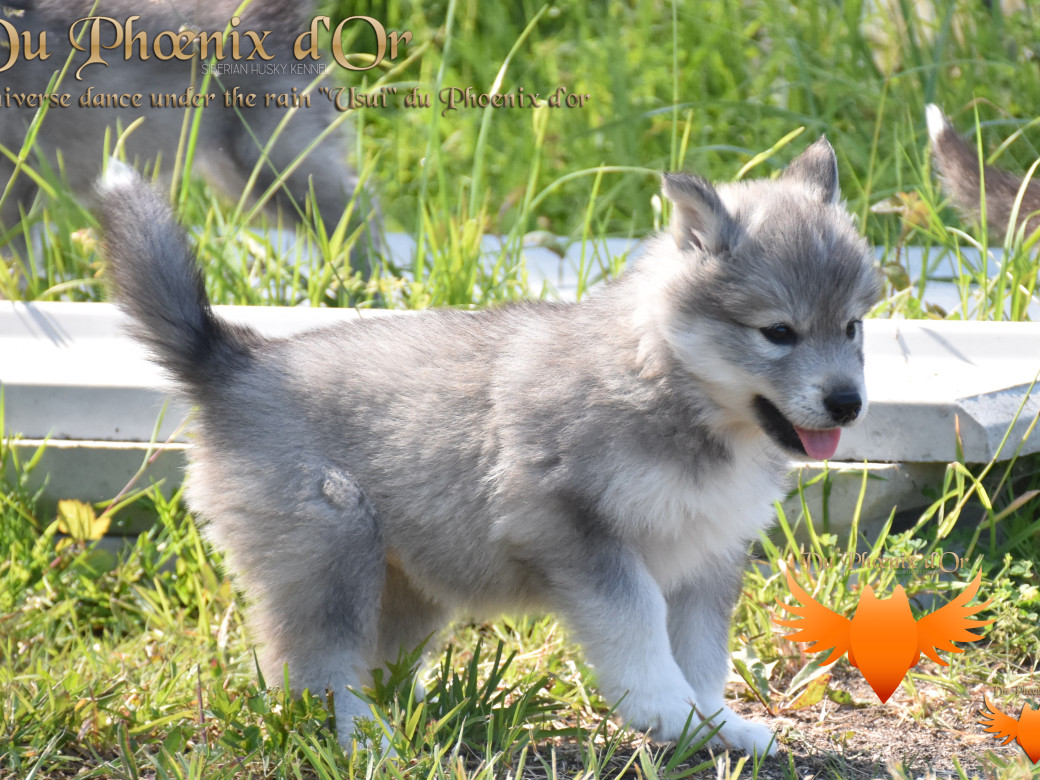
<point x="962" y="178"/>
<point x="232" y="141"/>
<point x="608" y="460"/>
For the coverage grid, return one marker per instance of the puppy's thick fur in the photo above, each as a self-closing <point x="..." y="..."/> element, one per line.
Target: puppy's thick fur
<point x="962" y="178"/>
<point x="232" y="141"/>
<point x="609" y="460"/>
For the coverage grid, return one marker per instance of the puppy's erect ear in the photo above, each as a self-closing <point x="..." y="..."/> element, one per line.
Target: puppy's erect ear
<point x="817" y="169"/>
<point x="699" y="220"/>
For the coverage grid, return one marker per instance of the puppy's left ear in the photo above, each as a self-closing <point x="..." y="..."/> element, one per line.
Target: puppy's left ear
<point x="817" y="169"/>
<point x="699" y="220"/>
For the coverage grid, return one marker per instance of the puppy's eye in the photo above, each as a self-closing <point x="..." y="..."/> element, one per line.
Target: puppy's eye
<point x="852" y="327"/>
<point x="779" y="333"/>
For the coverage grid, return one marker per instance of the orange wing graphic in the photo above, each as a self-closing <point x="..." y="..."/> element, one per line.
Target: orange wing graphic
<point x="818" y="624"/>
<point x="883" y="640"/>
<point x="1000" y="725"/>
<point x="938" y="630"/>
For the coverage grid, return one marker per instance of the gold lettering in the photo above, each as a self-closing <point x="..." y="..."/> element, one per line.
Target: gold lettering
<point x="13" y="47"/>
<point x="218" y="43"/>
<point x="337" y="42"/>
<point x="178" y="42"/>
<point x="236" y="53"/>
<point x="94" y="37"/>
<point x="398" y="38"/>
<point x="311" y="36"/>
<point x="140" y="38"/>
<point x="258" y="45"/>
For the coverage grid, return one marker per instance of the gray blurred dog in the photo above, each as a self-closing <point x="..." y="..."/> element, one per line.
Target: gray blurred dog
<point x="232" y="141"/>
<point x="958" y="166"/>
<point x="609" y="460"/>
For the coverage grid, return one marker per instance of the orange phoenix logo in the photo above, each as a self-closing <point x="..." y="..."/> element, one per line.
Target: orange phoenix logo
<point x="883" y="640"/>
<point x="1025" y="731"/>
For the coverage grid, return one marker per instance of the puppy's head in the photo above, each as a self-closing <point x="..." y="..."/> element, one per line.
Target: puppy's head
<point x="764" y="287"/>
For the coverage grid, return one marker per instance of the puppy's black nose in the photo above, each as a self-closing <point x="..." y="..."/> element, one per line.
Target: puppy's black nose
<point x="844" y="405"/>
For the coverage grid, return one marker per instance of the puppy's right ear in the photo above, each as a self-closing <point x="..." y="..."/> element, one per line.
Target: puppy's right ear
<point x="817" y="169"/>
<point x="699" y="220"/>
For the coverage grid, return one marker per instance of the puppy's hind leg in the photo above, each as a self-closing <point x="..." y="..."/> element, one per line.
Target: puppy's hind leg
<point x="407" y="619"/>
<point x="314" y="589"/>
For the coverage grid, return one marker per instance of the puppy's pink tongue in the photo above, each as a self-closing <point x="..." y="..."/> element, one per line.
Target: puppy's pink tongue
<point x="819" y="445"/>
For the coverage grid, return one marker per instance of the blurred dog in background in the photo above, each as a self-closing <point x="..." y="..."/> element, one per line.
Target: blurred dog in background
<point x="233" y="144"/>
<point x="962" y="179"/>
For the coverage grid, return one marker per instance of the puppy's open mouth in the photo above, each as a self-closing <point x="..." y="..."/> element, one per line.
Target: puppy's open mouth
<point x="819" y="444"/>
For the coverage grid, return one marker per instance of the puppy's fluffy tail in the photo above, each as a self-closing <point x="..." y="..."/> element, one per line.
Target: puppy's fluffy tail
<point x="159" y="284"/>
<point x="958" y="165"/>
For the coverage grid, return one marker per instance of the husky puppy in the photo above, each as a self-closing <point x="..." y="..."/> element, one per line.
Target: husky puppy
<point x="958" y="165"/>
<point x="232" y="141"/>
<point x="609" y="460"/>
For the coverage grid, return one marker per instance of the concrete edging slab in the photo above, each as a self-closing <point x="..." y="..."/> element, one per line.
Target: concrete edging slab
<point x="70" y="375"/>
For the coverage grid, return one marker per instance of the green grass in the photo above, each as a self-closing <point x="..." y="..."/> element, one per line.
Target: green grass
<point x="710" y="89"/>
<point x="134" y="664"/>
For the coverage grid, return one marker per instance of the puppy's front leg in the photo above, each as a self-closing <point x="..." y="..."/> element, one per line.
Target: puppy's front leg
<point x="619" y="615"/>
<point x="698" y="623"/>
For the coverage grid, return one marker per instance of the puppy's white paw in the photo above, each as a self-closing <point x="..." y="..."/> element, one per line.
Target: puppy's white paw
<point x="744" y="735"/>
<point x="359" y="722"/>
<point x="664" y="718"/>
<point x="667" y="723"/>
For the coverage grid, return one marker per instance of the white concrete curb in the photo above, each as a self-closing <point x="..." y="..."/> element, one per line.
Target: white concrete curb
<point x="70" y="375"/>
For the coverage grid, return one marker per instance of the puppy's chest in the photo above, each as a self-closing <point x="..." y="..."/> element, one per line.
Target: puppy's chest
<point x="683" y="521"/>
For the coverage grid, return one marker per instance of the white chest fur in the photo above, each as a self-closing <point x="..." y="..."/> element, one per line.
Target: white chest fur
<point x="680" y="518"/>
